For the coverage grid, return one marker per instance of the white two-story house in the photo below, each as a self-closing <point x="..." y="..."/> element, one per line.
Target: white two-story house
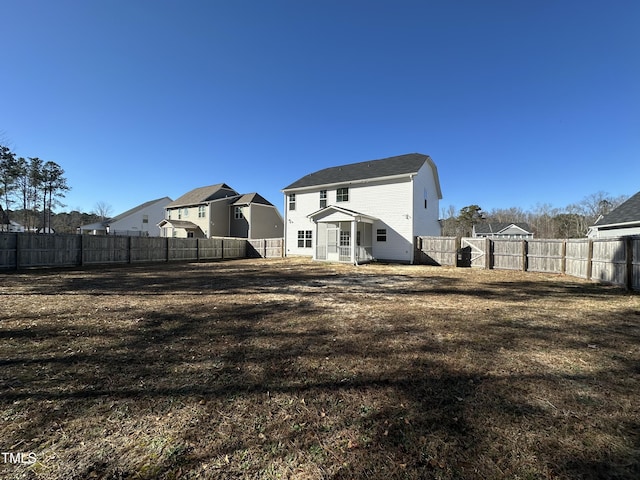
<point x="363" y="211"/>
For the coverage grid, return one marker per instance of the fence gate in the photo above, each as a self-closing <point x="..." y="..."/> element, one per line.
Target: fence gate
<point x="478" y="251"/>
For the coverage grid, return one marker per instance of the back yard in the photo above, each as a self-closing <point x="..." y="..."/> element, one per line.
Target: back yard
<point x="293" y="369"/>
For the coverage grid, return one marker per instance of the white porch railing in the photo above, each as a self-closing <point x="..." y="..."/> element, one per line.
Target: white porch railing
<point x="364" y="254"/>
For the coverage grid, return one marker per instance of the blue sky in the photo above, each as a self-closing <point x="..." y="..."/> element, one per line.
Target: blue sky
<point x="518" y="102"/>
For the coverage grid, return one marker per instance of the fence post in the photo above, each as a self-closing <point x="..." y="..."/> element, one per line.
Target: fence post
<point x="487" y="253"/>
<point x="80" y="260"/>
<point x="18" y="250"/>
<point x="525" y="251"/>
<point x="589" y="259"/>
<point x="628" y="256"/>
<point x="563" y="261"/>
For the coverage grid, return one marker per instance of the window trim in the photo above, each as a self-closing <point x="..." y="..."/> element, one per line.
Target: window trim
<point x="323" y="198"/>
<point x="305" y="238"/>
<point x="342" y="194"/>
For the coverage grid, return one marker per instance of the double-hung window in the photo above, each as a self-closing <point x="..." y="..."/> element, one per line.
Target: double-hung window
<point x="342" y="195"/>
<point x="381" y="235"/>
<point x="201" y="211"/>
<point x="304" y="238"/>
<point x="237" y="213"/>
<point x="292" y="201"/>
<point x="323" y="198"/>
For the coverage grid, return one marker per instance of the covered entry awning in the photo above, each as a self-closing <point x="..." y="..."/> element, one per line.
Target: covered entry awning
<point x="333" y="213"/>
<point x="342" y="235"/>
<point x="183" y="224"/>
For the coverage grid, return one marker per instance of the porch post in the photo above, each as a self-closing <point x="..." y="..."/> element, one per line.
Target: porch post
<point x="314" y="240"/>
<point x="354" y="230"/>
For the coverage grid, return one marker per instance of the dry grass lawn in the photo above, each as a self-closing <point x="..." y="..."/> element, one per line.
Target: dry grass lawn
<point x="265" y="369"/>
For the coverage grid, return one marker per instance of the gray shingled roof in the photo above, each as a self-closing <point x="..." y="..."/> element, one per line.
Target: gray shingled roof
<point x="626" y="212"/>
<point x="203" y="194"/>
<point x="248" y="198"/>
<point x="386" y="167"/>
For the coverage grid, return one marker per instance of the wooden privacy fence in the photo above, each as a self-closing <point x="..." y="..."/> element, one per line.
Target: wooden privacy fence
<point x="23" y="250"/>
<point x="610" y="260"/>
<point x="265" y="248"/>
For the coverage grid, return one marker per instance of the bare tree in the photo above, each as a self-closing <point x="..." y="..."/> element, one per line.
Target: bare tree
<point x="103" y="210"/>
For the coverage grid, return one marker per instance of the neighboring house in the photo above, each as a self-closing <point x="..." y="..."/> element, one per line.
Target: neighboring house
<point x="621" y="221"/>
<point x="219" y="211"/>
<point x="11" y="227"/>
<point x="138" y="221"/>
<point x="363" y="211"/>
<point x="7" y="225"/>
<point x="502" y="230"/>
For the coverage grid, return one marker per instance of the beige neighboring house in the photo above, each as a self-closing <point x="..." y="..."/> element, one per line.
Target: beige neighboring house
<point x="219" y="211"/>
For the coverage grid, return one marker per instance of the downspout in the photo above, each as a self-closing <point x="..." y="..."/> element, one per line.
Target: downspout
<point x="413" y="238"/>
<point x="354" y="236"/>
<point x="284" y="231"/>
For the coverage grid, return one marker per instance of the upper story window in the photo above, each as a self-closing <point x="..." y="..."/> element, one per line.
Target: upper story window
<point x="381" y="235"/>
<point x="179" y="213"/>
<point x="342" y="195"/>
<point x="145" y="218"/>
<point x="292" y="201"/>
<point x="425" y="198"/>
<point x="201" y="211"/>
<point x="323" y="198"/>
<point x="186" y="212"/>
<point x="237" y="214"/>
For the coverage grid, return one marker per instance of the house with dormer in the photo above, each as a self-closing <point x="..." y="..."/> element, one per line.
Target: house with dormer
<point x="363" y="211"/>
<point x="220" y="211"/>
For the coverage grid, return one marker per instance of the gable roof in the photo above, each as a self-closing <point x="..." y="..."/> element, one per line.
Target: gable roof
<point x="626" y="212"/>
<point x="335" y="208"/>
<point x="203" y="195"/>
<point x="371" y="169"/>
<point x="133" y="210"/>
<point x="248" y="198"/>
<point x="496" y="228"/>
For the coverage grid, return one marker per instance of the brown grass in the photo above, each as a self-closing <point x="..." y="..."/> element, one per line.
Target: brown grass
<point x="293" y="369"/>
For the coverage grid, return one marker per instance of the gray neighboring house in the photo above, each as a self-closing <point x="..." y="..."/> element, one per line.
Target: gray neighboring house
<point x="621" y="221"/>
<point x="502" y="230"/>
<point x="138" y="221"/>
<point x="219" y="211"/>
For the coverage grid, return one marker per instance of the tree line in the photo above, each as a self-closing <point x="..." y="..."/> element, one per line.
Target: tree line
<point x="546" y="221"/>
<point x="33" y="186"/>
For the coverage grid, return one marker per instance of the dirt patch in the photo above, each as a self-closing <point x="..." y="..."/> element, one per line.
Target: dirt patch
<point x="294" y="369"/>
